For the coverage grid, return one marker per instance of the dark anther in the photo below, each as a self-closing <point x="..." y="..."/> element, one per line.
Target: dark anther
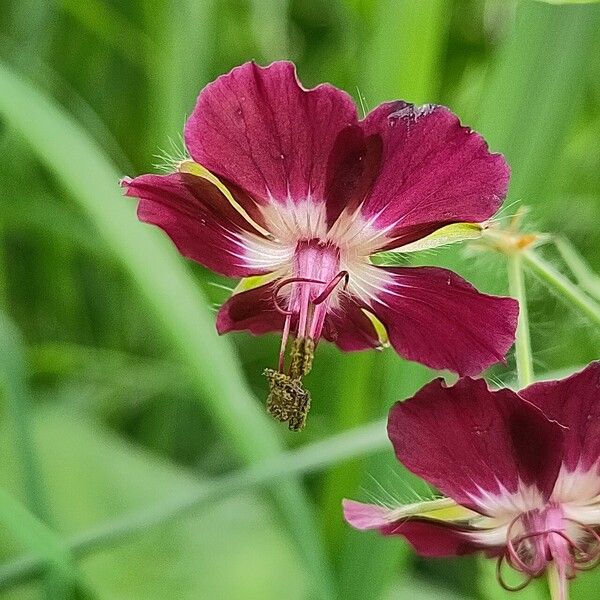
<point x="302" y="355"/>
<point x="288" y="400"/>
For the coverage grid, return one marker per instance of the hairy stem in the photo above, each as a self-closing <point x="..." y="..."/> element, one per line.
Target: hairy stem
<point x="585" y="276"/>
<point x="522" y="342"/>
<point x="562" y="285"/>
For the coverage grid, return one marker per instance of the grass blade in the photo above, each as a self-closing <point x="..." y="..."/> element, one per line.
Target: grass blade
<point x="530" y="127"/>
<point x="361" y="441"/>
<point x="169" y="291"/>
<point x="12" y="383"/>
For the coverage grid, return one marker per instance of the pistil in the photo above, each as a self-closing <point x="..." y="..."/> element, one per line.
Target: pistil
<point x="307" y="304"/>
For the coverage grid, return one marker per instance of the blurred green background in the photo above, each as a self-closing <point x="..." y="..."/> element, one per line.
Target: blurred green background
<point x="137" y="458"/>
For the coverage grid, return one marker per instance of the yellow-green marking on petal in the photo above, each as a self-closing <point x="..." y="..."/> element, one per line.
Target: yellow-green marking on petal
<point x="449" y="234"/>
<point x="193" y="168"/>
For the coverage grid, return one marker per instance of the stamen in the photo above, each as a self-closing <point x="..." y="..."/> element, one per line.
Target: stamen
<point x="302" y="355"/>
<point x="533" y="559"/>
<point x="586" y="560"/>
<point x="288" y="400"/>
<point x="284" y="339"/>
<point x="513" y="557"/>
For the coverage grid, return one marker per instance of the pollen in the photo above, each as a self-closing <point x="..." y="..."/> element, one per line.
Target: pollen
<point x="288" y="400"/>
<point x="302" y="355"/>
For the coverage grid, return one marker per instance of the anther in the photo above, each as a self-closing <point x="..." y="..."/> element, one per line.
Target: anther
<point x="301" y="355"/>
<point x="288" y="400"/>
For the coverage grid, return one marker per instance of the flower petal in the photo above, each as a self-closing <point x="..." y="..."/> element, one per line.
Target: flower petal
<point x="258" y="128"/>
<point x="252" y="310"/>
<point x="432" y="169"/>
<point x="352" y="169"/>
<point x="192" y="175"/>
<point x="203" y="224"/>
<point x="365" y="516"/>
<point x="433" y="539"/>
<point x="351" y="327"/>
<point x="475" y="445"/>
<point x="428" y="537"/>
<point x="574" y="402"/>
<point x="435" y="317"/>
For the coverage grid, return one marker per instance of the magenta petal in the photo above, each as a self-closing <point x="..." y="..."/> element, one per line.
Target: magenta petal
<point x="427" y="537"/>
<point x="351" y="171"/>
<point x="435" y="317"/>
<point x="253" y="311"/>
<point x="349" y="328"/>
<point x="364" y="516"/>
<point x="574" y="402"/>
<point x="432" y="539"/>
<point x="469" y="441"/>
<point x="260" y="129"/>
<point x="432" y="169"/>
<point x="201" y="223"/>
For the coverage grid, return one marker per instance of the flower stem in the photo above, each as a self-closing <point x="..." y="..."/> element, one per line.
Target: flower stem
<point x="522" y="343"/>
<point x="585" y="276"/>
<point x="561" y="284"/>
<point x="557" y="582"/>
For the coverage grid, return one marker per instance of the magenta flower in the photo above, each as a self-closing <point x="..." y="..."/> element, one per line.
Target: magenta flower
<point x="521" y="473"/>
<point x="288" y="189"/>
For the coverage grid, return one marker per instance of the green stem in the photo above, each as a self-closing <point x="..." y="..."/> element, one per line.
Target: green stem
<point x="585" y="276"/>
<point x="516" y="285"/>
<point x="557" y="582"/>
<point x="563" y="286"/>
<point x="360" y="441"/>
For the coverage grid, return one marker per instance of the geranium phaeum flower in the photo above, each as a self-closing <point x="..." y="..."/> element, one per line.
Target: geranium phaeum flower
<point x="288" y="189"/>
<point x="521" y="473"/>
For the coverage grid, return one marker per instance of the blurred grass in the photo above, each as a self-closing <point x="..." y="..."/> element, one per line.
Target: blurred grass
<point x="132" y="401"/>
<point x="154" y="267"/>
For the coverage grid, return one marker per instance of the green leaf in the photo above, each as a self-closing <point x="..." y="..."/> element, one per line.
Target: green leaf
<point x="13" y="389"/>
<point x="530" y="127"/>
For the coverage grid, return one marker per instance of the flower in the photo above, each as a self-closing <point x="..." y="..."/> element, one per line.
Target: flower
<point x="520" y="473"/>
<point x="289" y="190"/>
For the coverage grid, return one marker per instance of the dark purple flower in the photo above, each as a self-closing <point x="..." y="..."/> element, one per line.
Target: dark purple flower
<point x="288" y="189"/>
<point x="520" y="473"/>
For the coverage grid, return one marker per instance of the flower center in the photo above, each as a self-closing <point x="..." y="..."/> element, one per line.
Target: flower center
<point x="304" y="298"/>
<point x="540" y="536"/>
